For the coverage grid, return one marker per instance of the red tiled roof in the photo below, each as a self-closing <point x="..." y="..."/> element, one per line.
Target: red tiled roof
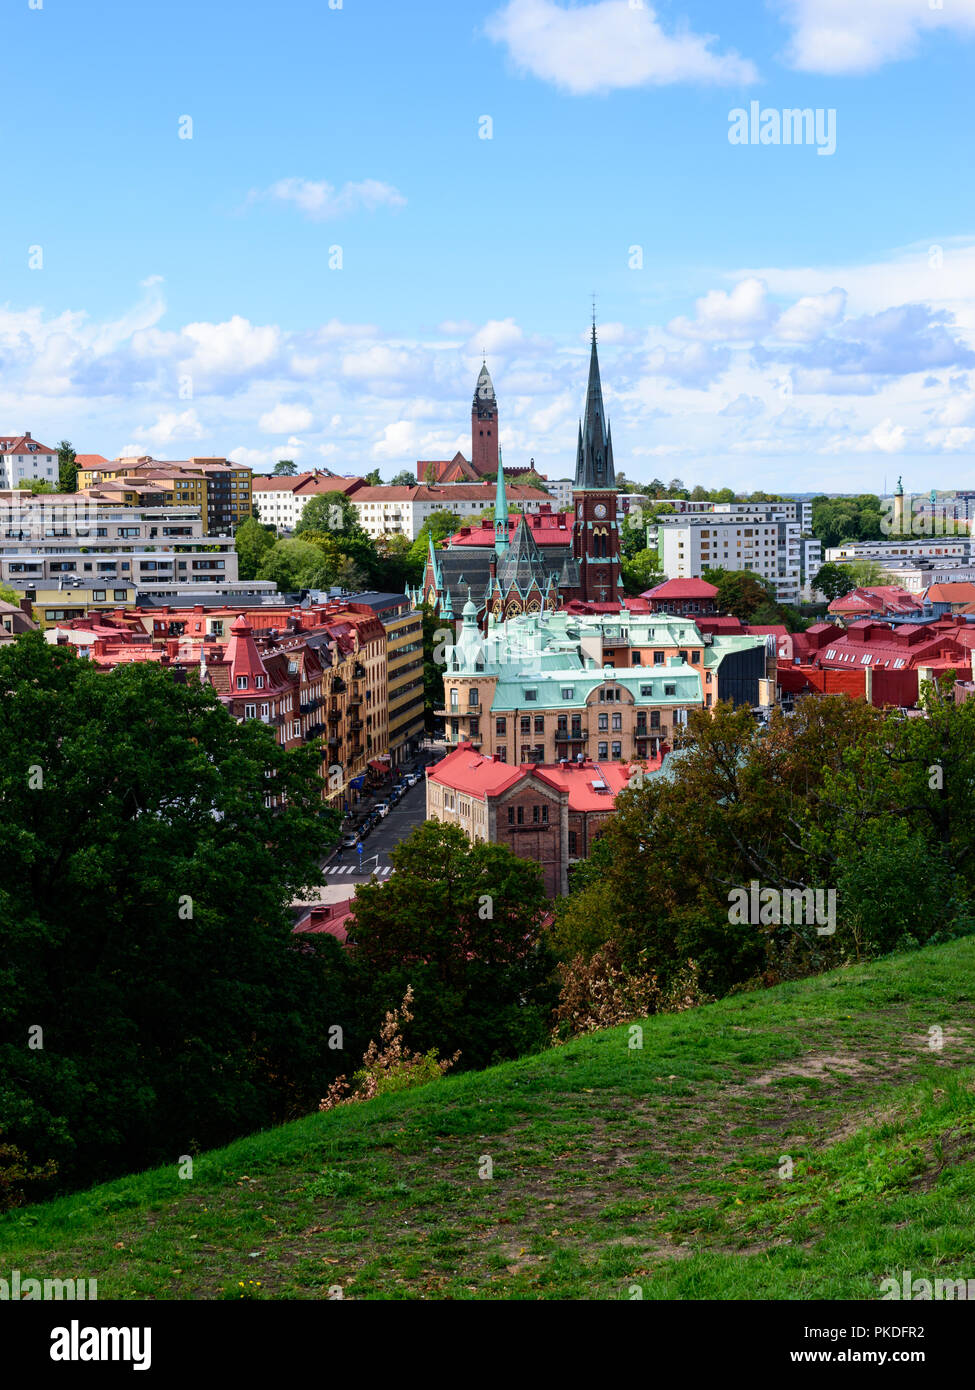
<point x="682" y="589"/>
<point x="466" y="770"/>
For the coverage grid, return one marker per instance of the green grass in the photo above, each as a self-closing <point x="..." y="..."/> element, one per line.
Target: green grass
<point x="613" y="1168"/>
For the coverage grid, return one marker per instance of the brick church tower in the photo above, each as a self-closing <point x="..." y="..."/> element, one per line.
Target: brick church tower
<point x="484" y="425"/>
<point x="595" y="539"/>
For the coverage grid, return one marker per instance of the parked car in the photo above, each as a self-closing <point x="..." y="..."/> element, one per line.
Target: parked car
<point x="350" y="839"/>
<point x="412" y="778"/>
<point x="381" y="809"/>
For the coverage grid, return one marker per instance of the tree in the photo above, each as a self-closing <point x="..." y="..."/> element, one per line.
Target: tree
<point x="251" y="542"/>
<point x="67" y="467"/>
<point x="404" y="478"/>
<point x="285" y="468"/>
<point x="641" y="572"/>
<point x="838" y="519"/>
<point x="145" y="915"/>
<point x="740" y="592"/>
<point x="35" y="485"/>
<point x="439" y="525"/>
<point x="373" y="479"/>
<point x="9" y="595"/>
<point x="833" y="581"/>
<point x="293" y="565"/>
<point x="461" y="923"/>
<point x="331" y="512"/>
<point x="864" y="573"/>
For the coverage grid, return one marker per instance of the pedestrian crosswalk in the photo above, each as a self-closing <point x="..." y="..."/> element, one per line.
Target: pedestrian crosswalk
<point x="353" y="869"/>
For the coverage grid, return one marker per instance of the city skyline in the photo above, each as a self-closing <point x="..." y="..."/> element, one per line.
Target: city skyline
<point x="767" y="316"/>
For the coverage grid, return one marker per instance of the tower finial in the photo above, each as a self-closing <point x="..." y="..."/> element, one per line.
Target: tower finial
<point x="594" y="316"/>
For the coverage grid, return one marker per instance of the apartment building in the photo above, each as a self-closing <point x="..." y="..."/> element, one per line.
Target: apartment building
<point x="552" y="814"/>
<point x="23" y="459"/>
<point x="221" y="488"/>
<point x="547" y="687"/>
<point x="280" y="501"/>
<point x="402" y="511"/>
<point x="750" y="537"/>
<point x="404" y="671"/>
<point x="312" y="674"/>
<point x="69" y="540"/>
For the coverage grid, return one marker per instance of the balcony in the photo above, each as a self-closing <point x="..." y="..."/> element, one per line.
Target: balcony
<point x="309" y="705"/>
<point x="577" y="736"/>
<point x="355" y="724"/>
<point x="315" y="729"/>
<point x="338" y="685"/>
<point x="334" y="716"/>
<point x="354" y="699"/>
<point x="359" y="671"/>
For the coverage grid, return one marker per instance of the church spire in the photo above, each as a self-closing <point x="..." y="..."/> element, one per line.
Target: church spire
<point x="500" y="511"/>
<point x="594" y="454"/>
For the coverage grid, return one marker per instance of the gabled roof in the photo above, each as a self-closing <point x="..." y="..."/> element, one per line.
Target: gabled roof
<point x="682" y="589"/>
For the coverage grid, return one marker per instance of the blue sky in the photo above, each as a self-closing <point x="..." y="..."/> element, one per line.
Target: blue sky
<point x="770" y="316"/>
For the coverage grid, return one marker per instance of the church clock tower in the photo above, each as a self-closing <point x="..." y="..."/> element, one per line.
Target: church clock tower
<point x="595" y="539"/>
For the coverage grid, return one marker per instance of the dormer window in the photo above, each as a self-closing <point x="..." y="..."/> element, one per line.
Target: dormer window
<point x="260" y="682"/>
<point x="241" y="682"/>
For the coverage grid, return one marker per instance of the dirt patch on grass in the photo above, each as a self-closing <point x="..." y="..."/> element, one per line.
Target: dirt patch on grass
<point x="813" y="1068"/>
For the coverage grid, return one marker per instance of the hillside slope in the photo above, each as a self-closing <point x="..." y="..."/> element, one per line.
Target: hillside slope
<point x="664" y="1167"/>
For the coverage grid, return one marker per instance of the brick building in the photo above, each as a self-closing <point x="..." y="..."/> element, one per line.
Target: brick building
<point x="551" y="813"/>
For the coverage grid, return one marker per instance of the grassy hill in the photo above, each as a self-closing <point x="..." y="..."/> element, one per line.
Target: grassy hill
<point x="613" y="1167"/>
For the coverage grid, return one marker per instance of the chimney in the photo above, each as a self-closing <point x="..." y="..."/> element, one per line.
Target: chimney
<point x="27" y="434"/>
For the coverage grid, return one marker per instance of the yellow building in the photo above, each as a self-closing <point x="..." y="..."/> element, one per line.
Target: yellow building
<point x="53" y="605"/>
<point x="221" y="488"/>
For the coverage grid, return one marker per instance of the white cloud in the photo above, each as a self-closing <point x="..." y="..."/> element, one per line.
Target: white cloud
<point x="169" y="426"/>
<point x="608" y="45"/>
<point x="497" y="335"/>
<point x="232" y="347"/>
<point x="322" y="202"/>
<point x="837" y="36"/>
<point x="743" y="314"/>
<point x="884" y="438"/>
<point x="283" y="419"/>
<point x="810" y="316"/>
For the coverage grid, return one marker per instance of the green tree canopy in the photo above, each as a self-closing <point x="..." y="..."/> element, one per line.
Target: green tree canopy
<point x="251" y="542"/>
<point x="462" y="924"/>
<point x="144" y="910"/>
<point x="404" y="478"/>
<point x="285" y="468"/>
<point x="67" y="467"/>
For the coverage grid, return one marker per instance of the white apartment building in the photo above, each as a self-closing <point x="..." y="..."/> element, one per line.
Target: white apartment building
<point x="23" y="458"/>
<point x="752" y="537"/>
<point x="71" y="541"/>
<point x="810" y="560"/>
<point x="935" y="548"/>
<point x="401" y="511"/>
<point x="280" y="501"/>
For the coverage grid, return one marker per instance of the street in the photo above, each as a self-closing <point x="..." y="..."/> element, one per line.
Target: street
<point x="347" y="865"/>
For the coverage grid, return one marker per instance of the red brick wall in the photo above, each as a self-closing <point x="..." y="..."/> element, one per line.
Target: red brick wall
<point x="533" y="840"/>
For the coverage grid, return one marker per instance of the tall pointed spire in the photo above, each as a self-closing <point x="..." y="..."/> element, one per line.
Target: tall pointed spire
<point x="594" y="454"/>
<point x="500" y="511"/>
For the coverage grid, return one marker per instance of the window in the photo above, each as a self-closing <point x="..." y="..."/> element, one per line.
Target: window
<point x="636" y="659"/>
<point x="241" y="682"/>
<point x="695" y="658"/>
<point x="536" y="814"/>
<point x="655" y="719"/>
<point x="658" y="658"/>
<point x="511" y="815"/>
<point x="603" y="750"/>
<point x="501" y="727"/>
<point x="573" y="842"/>
<point x="545" y="815"/>
<point x="120" y="594"/>
<point x="526" y="724"/>
<point x="474" y="697"/>
<point x="521" y="815"/>
<point x="539" y="723"/>
<point x="98" y="595"/>
<point x="617" y="751"/>
<point x="260" y="682"/>
<point x="568" y="692"/>
<point x="563" y="724"/>
<point x="265" y="711"/>
<point x="604" y="723"/>
<point x="250" y="711"/>
<point x="670" y="690"/>
<point x="617" y="723"/>
<point x="502" y="755"/>
<point x="531" y="694"/>
<point x="646" y="690"/>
